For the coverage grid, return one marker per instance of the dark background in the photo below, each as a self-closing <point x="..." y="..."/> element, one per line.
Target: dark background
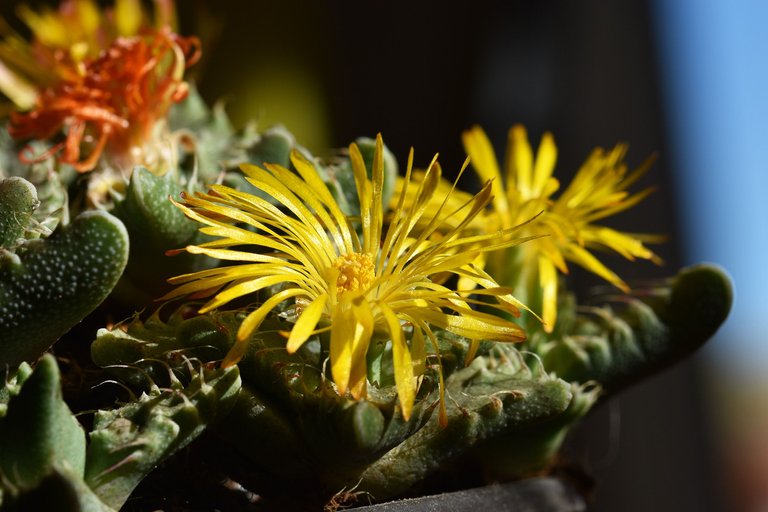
<point x="420" y="73"/>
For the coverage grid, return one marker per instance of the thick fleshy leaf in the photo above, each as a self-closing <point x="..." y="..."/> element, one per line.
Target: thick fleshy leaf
<point x="39" y="431"/>
<point x="18" y="201"/>
<point x="53" y="283"/>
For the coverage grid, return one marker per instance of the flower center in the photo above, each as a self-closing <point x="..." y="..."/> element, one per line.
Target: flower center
<point x="356" y="272"/>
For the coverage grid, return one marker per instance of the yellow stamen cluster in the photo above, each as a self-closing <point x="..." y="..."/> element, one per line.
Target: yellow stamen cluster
<point x="356" y="272"/>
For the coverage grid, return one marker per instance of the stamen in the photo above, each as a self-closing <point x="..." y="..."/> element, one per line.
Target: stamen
<point x="356" y="272"/>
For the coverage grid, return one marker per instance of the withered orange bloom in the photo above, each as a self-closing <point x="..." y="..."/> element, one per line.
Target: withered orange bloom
<point x="114" y="104"/>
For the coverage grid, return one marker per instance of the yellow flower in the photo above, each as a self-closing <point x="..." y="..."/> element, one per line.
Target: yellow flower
<point x="353" y="285"/>
<point x="598" y="190"/>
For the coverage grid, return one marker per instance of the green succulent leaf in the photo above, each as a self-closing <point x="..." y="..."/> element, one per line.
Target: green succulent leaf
<point x="12" y="384"/>
<point x="646" y="334"/>
<point x="155" y="226"/>
<point x="128" y="443"/>
<point x="496" y="406"/>
<point x="60" y="490"/>
<point x="290" y="421"/>
<point x="50" y="284"/>
<point x="205" y="337"/>
<point x="18" y="201"/>
<point x="39" y="431"/>
<point x="273" y="146"/>
<point x="50" y="178"/>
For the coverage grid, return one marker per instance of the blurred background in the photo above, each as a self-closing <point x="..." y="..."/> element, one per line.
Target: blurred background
<point x="686" y="80"/>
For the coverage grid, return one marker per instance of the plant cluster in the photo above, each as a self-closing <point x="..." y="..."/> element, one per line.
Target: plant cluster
<point x="330" y="328"/>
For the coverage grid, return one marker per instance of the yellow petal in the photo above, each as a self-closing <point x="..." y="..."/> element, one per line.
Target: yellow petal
<point x="376" y="201"/>
<point x="404" y="221"/>
<point x="626" y="245"/>
<point x="364" y="193"/>
<point x="217" y="277"/>
<point x="404" y="191"/>
<point x="548" y="283"/>
<point x="252" y="322"/>
<point x="231" y="255"/>
<point x="310" y="175"/>
<point x="474" y="325"/>
<point x="269" y="184"/>
<point x="349" y="341"/>
<point x="241" y="289"/>
<point x="425" y="259"/>
<point x="467" y="284"/>
<point x="481" y="277"/>
<point x="519" y="160"/>
<point x="418" y="352"/>
<point x="20" y="92"/>
<point x="90" y="17"/>
<point x="546" y="157"/>
<point x="47" y="27"/>
<point x="358" y="381"/>
<point x="405" y="380"/>
<point x="358" y="376"/>
<point x="584" y="258"/>
<point x="620" y="207"/>
<point x="315" y="200"/>
<point x="483" y="159"/>
<point x="429" y="183"/>
<point x="236" y="353"/>
<point x="306" y="323"/>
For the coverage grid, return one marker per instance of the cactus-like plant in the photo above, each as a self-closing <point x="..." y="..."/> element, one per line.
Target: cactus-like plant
<point x="642" y="335"/>
<point x="43" y="453"/>
<point x="18" y="203"/>
<point x="47" y="285"/>
<point x="507" y="411"/>
<point x="370" y="317"/>
<point x="42" y="445"/>
<point x="127" y="443"/>
<point x="38" y="430"/>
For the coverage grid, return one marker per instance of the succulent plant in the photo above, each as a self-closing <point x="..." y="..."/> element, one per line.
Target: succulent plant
<point x="642" y="334"/>
<point x="39" y="436"/>
<point x="334" y="326"/>
<point x="43" y="454"/>
<point x="127" y="443"/>
<point x="508" y="411"/>
<point x="47" y="285"/>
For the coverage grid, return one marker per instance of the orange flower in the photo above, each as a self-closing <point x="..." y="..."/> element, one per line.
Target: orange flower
<point x="94" y="80"/>
<point x="64" y="38"/>
<point x="115" y="103"/>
